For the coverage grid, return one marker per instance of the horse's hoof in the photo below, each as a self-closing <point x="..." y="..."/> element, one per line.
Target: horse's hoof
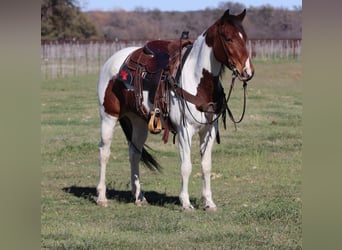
<point x="210" y="209"/>
<point x="103" y="203"/>
<point x="140" y="203"/>
<point x="188" y="209"/>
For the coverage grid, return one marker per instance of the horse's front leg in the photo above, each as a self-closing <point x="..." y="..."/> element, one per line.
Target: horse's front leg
<point x="107" y="129"/>
<point x="184" y="141"/>
<point x="207" y="139"/>
<point x="139" y="136"/>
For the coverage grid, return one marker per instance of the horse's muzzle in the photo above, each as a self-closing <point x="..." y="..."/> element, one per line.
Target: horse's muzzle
<point x="245" y="76"/>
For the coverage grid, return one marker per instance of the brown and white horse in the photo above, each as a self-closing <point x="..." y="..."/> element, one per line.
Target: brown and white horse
<point x="222" y="44"/>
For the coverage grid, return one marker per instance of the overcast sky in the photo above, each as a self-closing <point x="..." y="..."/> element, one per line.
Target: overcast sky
<point x="177" y="5"/>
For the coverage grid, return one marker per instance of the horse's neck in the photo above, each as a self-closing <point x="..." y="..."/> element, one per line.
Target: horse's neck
<point x="201" y="57"/>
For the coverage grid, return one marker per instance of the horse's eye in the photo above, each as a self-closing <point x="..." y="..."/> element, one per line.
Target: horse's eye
<point x="228" y="39"/>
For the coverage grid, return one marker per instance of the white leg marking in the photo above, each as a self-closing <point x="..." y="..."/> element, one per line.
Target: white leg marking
<point x="137" y="191"/>
<point x="139" y="136"/>
<point x="247" y="67"/>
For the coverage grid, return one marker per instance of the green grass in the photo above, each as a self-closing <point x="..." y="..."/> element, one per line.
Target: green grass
<point x="256" y="174"/>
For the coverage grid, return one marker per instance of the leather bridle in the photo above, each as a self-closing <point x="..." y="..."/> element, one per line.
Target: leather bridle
<point x="234" y="76"/>
<point x="226" y="53"/>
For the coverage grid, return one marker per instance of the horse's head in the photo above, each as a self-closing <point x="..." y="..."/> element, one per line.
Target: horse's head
<point x="228" y="39"/>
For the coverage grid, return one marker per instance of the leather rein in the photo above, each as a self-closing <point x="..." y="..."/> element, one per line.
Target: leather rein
<point x="244" y="101"/>
<point x="188" y="97"/>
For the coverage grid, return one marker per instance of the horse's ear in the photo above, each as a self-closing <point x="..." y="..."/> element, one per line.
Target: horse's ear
<point x="210" y="35"/>
<point x="226" y="14"/>
<point x="242" y="15"/>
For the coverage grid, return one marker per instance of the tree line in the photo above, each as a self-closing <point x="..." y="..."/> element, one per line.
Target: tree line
<point x="62" y="19"/>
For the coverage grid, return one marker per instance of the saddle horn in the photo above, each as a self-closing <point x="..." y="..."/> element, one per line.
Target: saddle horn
<point x="185" y="35"/>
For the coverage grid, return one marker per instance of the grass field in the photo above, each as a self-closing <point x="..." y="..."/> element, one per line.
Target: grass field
<point x="256" y="182"/>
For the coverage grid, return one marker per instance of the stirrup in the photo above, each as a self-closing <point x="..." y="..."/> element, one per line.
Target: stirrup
<point x="155" y="125"/>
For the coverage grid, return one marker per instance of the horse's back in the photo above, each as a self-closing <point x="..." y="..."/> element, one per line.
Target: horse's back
<point x="110" y="68"/>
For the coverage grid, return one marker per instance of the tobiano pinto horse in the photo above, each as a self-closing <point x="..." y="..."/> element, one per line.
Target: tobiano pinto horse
<point x="172" y="86"/>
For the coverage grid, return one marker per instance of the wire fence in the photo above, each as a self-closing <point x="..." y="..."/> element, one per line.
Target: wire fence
<point x="69" y="58"/>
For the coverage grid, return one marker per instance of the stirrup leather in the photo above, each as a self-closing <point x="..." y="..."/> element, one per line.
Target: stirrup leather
<point x="155" y="124"/>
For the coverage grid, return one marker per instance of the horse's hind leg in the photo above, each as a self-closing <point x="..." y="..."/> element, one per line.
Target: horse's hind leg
<point x="207" y="139"/>
<point x="139" y="136"/>
<point x="107" y="129"/>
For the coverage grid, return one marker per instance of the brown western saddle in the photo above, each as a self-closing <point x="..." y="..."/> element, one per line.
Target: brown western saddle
<point x="149" y="68"/>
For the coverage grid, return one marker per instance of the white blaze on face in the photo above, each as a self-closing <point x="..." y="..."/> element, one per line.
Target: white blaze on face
<point x="247" y="67"/>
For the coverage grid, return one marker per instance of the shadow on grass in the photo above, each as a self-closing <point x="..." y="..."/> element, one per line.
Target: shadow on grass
<point x="153" y="198"/>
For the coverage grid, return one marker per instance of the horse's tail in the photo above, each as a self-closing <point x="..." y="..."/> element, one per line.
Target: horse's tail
<point x="146" y="157"/>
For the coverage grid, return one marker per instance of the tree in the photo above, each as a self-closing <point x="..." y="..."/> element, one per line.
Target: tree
<point x="260" y="22"/>
<point x="62" y="19"/>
